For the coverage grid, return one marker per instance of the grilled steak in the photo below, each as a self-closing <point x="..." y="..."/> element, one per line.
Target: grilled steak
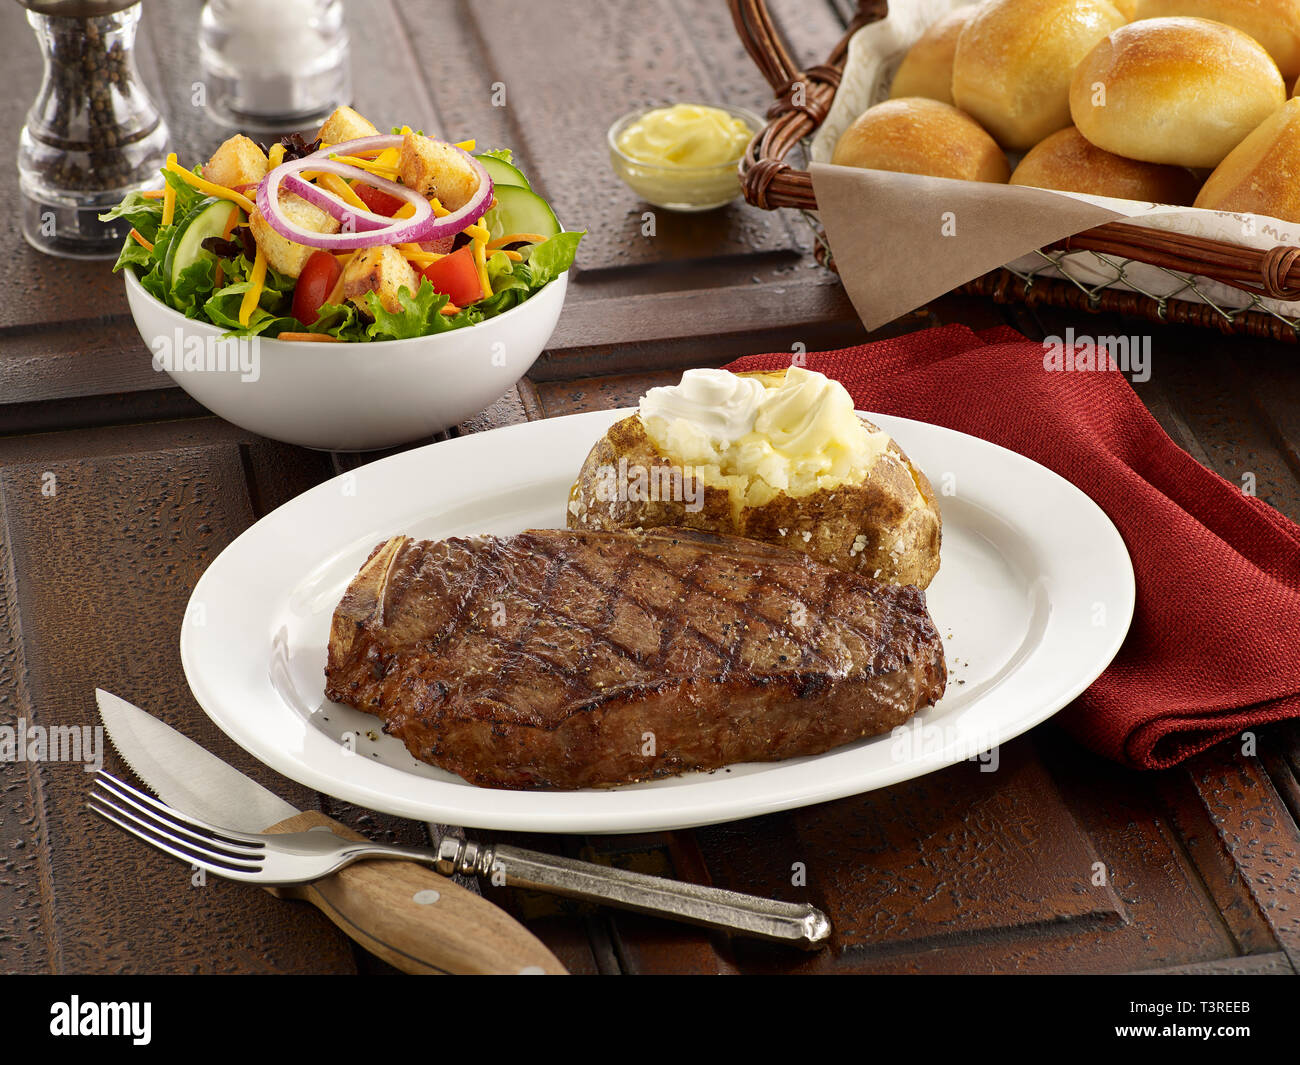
<point x="568" y="659"/>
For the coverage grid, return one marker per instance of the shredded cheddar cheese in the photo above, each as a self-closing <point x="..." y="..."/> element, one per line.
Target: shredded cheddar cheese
<point x="480" y="261"/>
<point x="342" y="190"/>
<point x="190" y="178"/>
<point x="336" y="293"/>
<point x="415" y="254"/>
<point x="169" y="195"/>
<point x="371" y="166"/>
<point x="515" y="238"/>
<point x="140" y="240"/>
<point x="256" y="282"/>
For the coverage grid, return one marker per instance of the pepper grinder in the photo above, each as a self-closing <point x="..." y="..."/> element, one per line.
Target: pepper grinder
<point x="274" y="66"/>
<point x="93" y="135"/>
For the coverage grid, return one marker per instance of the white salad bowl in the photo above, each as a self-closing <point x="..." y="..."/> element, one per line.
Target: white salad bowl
<point x="348" y="397"/>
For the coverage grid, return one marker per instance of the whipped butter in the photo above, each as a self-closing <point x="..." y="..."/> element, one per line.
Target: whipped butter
<point x="757" y="437"/>
<point x="685" y="135"/>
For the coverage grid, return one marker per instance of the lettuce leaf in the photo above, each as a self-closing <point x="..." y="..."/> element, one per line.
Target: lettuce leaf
<point x="549" y="259"/>
<point x="195" y="293"/>
<point x="420" y="315"/>
<point x="143" y="215"/>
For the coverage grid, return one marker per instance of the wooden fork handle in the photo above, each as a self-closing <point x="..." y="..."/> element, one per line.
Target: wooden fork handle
<point x="415" y="919"/>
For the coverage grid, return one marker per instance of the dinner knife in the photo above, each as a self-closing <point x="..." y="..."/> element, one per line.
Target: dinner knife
<point x="196" y="782"/>
<point x="400" y="911"/>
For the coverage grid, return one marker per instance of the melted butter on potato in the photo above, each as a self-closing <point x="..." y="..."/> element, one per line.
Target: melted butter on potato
<point x="795" y="433"/>
<point x="779" y="457"/>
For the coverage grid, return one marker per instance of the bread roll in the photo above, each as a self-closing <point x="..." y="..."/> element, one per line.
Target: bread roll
<point x="918" y="136"/>
<point x="927" y="68"/>
<point x="1183" y="91"/>
<point x="1262" y="174"/>
<point x="1066" y="161"/>
<point x="1127" y="8"/>
<point x="1273" y="23"/>
<point x="1012" y="68"/>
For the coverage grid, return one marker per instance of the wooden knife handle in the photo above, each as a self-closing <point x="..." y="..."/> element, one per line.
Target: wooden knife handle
<point x="415" y="919"/>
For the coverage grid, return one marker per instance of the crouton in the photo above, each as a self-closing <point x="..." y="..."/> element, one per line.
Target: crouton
<point x="437" y="169"/>
<point x="382" y="269"/>
<point x="287" y="256"/>
<point x="345" y="124"/>
<point x="237" y="162"/>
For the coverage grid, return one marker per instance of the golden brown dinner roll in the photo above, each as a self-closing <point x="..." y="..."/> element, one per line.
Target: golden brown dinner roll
<point x="1066" y="161"/>
<point x="918" y="136"/>
<point x="1273" y="23"/>
<point x="1183" y="91"/>
<point x="1012" y="68"/>
<point x="1262" y="174"/>
<point x="926" y="70"/>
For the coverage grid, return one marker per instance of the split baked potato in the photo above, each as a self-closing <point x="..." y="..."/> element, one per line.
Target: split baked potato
<point x="882" y="523"/>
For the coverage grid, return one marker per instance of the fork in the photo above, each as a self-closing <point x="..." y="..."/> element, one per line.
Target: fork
<point x="272" y="859"/>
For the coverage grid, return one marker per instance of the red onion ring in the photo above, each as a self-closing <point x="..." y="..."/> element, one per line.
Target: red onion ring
<point x="366" y="229"/>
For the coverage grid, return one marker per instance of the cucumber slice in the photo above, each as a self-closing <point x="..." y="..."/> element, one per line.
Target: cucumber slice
<point x="520" y="211"/>
<point x="503" y="173"/>
<point x="207" y="218"/>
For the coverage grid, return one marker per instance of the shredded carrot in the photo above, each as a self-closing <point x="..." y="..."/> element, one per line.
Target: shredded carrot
<point x="140" y="240"/>
<point x="449" y="308"/>
<point x="515" y="238"/>
<point x="154" y="194"/>
<point x="317" y="338"/>
<point x="231" y="222"/>
<point x="513" y="256"/>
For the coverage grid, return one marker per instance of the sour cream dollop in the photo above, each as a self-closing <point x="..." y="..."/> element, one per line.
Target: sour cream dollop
<point x="716" y="402"/>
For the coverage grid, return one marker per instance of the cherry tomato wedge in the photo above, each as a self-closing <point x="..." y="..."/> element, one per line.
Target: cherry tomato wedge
<point x="379" y="202"/>
<point x="456" y="275"/>
<point x="315" y="283"/>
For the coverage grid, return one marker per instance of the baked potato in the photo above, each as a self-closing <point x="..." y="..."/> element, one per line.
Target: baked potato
<point x="882" y="522"/>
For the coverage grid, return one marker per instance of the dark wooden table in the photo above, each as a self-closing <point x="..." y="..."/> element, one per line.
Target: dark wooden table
<point x="957" y="871"/>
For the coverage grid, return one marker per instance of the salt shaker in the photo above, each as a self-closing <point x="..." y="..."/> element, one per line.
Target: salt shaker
<point x="274" y="65"/>
<point x="93" y="135"/>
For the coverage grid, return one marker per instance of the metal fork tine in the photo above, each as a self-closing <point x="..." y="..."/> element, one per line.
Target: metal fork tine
<point x="167" y="827"/>
<point x="169" y="814"/>
<point x="231" y="871"/>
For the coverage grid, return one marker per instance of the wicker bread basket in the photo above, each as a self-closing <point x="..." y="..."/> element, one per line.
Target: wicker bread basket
<point x="769" y="182"/>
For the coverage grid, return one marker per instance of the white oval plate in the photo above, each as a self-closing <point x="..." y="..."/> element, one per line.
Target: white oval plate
<point x="1034" y="597"/>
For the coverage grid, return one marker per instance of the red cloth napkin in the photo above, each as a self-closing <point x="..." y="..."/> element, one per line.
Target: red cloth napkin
<point x="1215" y="643"/>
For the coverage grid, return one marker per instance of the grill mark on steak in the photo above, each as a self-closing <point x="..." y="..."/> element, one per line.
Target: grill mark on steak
<point x="732" y="651"/>
<point x="563" y="695"/>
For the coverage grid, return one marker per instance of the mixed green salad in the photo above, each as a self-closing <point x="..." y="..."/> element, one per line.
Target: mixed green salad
<point x="356" y="237"/>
